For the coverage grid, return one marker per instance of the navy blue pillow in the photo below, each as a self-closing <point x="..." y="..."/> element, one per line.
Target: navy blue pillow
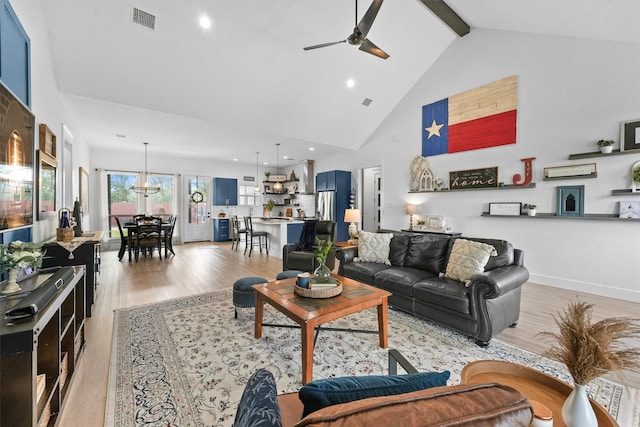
<point x="308" y="235"/>
<point x="258" y="406"/>
<point x="332" y="391"/>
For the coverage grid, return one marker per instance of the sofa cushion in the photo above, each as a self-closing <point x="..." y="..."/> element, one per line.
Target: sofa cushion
<point x="485" y="405"/>
<point x="400" y="280"/>
<point x="442" y="292"/>
<point x="363" y="271"/>
<point x="467" y="259"/>
<point x="373" y="247"/>
<point x="398" y="249"/>
<point x="504" y="249"/>
<point x="332" y="391"/>
<point x="428" y="252"/>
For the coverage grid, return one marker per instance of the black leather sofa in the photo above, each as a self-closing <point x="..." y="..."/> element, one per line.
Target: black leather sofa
<point x="480" y="309"/>
<point x="300" y="256"/>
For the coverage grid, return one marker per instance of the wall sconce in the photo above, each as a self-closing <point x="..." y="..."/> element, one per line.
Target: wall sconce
<point x="353" y="216"/>
<point x="411" y="210"/>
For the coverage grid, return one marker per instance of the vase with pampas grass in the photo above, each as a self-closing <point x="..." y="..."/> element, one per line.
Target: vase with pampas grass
<point x="590" y="350"/>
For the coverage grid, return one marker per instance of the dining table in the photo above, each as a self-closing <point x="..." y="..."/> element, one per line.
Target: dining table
<point x="131" y="231"/>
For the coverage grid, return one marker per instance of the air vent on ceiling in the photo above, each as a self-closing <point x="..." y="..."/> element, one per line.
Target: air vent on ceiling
<point x="144" y="18"/>
<point x="367" y="102"/>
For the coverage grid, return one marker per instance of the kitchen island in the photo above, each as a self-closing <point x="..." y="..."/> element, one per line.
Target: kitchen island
<point x="281" y="231"/>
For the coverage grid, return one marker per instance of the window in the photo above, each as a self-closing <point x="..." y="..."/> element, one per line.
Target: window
<point x="125" y="203"/>
<point x="247" y="195"/>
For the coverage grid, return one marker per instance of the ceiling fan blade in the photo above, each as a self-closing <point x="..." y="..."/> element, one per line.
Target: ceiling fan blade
<point x="317" y="46"/>
<point x="369" y="47"/>
<point x="448" y="16"/>
<point x="367" y="20"/>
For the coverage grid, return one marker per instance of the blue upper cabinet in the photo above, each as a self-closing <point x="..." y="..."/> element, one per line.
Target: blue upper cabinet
<point x="15" y="55"/>
<point x="225" y="192"/>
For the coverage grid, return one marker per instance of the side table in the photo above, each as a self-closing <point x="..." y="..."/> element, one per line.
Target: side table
<point x="535" y="385"/>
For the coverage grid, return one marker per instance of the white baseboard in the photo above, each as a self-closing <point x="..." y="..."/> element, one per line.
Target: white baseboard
<point x="590" y="288"/>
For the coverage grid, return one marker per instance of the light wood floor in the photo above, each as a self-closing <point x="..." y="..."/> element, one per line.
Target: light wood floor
<point x="204" y="267"/>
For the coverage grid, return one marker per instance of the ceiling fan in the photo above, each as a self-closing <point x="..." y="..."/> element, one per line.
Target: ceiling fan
<point x="359" y="35"/>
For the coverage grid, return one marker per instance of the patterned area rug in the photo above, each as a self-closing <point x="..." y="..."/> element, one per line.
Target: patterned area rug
<point x="185" y="362"/>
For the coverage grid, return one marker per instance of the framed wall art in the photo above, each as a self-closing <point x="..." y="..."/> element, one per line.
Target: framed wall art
<point x="629" y="209"/>
<point x="630" y="135"/>
<point x="435" y="222"/>
<point x="570" y="200"/>
<point x="509" y="208"/>
<point x="16" y="162"/>
<point x="47" y="141"/>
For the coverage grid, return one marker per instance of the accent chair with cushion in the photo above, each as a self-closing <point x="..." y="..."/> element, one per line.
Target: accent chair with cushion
<point x="416" y="399"/>
<point x="300" y="256"/>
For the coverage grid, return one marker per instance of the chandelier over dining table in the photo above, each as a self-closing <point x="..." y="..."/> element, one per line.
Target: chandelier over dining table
<point x="145" y="189"/>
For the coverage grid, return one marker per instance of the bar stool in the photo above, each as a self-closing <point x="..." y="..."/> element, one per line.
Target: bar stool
<point x="237" y="233"/>
<point x="250" y="238"/>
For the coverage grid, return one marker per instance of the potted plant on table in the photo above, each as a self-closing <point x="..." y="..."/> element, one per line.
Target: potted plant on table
<point x="321" y="251"/>
<point x="606" y="145"/>
<point x="590" y="350"/>
<point x="17" y="255"/>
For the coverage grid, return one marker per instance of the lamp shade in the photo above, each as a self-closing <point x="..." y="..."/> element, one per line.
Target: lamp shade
<point x="352" y="215"/>
<point x="411" y="209"/>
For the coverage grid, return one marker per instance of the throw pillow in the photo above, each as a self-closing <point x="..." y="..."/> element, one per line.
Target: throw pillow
<point x="308" y="235"/>
<point x="468" y="259"/>
<point x="373" y="247"/>
<point x="332" y="391"/>
<point x="259" y="402"/>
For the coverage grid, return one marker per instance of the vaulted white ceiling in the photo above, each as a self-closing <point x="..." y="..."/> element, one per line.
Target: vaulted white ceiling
<point x="246" y="83"/>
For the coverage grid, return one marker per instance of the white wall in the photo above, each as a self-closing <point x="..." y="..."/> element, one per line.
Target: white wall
<point x="571" y="93"/>
<point x="46" y="103"/>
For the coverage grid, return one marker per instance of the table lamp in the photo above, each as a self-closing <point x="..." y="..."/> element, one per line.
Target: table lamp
<point x="411" y="210"/>
<point x="352" y="216"/>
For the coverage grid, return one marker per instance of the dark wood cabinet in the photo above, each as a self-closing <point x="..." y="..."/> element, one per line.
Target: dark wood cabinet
<point x="39" y="354"/>
<point x="87" y="253"/>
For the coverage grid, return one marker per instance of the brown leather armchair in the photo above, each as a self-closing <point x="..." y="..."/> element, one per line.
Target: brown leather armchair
<point x="295" y="256"/>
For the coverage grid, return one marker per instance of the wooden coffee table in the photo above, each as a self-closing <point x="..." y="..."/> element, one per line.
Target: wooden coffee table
<point x="310" y="313"/>
<point x="535" y="385"/>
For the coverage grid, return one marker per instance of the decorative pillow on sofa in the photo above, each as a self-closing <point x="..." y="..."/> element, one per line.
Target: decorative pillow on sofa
<point x="259" y="402"/>
<point x="373" y="247"/>
<point x="468" y="259"/>
<point x="332" y="391"/>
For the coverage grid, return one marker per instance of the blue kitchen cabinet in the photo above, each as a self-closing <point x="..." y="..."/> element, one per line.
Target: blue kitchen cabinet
<point x="221" y="230"/>
<point x="225" y="192"/>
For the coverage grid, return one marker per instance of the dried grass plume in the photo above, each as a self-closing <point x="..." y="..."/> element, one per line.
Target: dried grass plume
<point x="590" y="350"/>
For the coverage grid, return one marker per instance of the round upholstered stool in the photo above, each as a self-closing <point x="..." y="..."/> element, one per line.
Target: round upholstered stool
<point x="288" y="274"/>
<point x="243" y="294"/>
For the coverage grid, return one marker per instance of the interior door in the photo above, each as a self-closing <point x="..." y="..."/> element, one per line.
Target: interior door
<point x="197" y="206"/>
<point x="372" y="199"/>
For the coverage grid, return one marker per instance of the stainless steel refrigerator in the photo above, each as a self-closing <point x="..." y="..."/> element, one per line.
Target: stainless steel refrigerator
<point x="325" y="205"/>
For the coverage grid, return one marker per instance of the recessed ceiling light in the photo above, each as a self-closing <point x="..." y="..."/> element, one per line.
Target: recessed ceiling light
<point x="351" y="83"/>
<point x="205" y="22"/>
<point x="285" y="157"/>
<point x="311" y="149"/>
<point x="235" y="160"/>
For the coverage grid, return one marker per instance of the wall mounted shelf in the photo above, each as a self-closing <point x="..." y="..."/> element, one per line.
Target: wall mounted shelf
<point x="543" y="215"/>
<point x="626" y="192"/>
<point x="504" y="187"/>
<point x="599" y="154"/>
<point x="591" y="175"/>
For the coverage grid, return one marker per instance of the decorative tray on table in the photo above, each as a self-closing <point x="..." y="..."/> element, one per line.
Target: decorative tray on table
<point x="327" y="289"/>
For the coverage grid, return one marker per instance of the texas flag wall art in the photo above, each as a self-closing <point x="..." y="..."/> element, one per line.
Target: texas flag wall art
<point x="480" y="118"/>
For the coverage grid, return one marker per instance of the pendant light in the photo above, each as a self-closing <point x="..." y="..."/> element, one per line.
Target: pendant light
<point x="145" y="190"/>
<point x="257" y="188"/>
<point x="277" y="187"/>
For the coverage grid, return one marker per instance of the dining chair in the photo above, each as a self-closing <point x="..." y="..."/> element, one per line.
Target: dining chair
<point x="148" y="236"/>
<point x="167" y="239"/>
<point x="237" y="233"/>
<point x="123" y="239"/>
<point x="252" y="235"/>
